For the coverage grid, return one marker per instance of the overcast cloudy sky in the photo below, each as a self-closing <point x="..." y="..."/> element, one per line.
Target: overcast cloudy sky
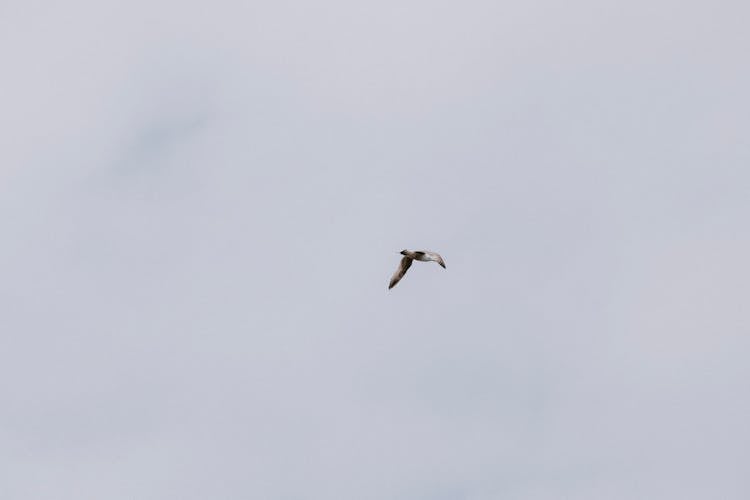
<point x="201" y="205"/>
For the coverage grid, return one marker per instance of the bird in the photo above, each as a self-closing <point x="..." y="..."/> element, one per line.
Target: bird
<point x="408" y="258"/>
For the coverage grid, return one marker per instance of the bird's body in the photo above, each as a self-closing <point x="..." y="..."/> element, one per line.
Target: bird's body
<point x="410" y="256"/>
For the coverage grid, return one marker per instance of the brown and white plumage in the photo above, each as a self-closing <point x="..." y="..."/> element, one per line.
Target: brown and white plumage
<point x="403" y="266"/>
<point x="408" y="258"/>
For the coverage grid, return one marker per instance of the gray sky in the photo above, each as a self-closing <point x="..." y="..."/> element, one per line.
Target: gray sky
<point x="201" y="206"/>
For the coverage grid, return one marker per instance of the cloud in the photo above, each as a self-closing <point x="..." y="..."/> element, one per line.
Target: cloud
<point x="201" y="208"/>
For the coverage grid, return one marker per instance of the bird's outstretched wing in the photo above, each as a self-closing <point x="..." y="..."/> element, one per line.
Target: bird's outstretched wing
<point x="435" y="257"/>
<point x="403" y="266"/>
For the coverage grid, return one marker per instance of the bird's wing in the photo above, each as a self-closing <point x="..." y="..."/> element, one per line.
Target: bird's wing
<point x="403" y="266"/>
<point x="435" y="257"/>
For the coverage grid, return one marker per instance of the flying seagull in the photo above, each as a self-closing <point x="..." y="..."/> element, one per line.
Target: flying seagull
<point x="406" y="260"/>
